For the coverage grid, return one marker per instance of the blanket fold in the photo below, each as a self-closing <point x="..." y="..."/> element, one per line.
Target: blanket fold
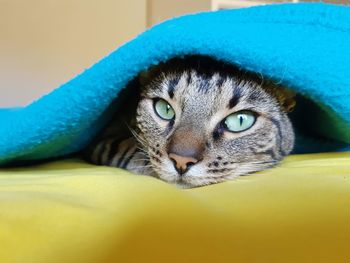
<point x="302" y="46"/>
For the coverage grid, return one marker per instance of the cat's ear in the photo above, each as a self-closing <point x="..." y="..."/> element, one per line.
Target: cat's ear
<point x="284" y="96"/>
<point x="147" y="75"/>
<point x="287" y="99"/>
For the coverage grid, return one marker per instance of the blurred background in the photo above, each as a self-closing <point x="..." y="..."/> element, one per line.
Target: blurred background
<point x="44" y="43"/>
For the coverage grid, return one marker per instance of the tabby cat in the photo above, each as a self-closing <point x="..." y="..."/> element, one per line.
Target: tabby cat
<point x="198" y="121"/>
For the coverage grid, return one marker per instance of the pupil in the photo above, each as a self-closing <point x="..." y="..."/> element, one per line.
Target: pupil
<point x="241" y="120"/>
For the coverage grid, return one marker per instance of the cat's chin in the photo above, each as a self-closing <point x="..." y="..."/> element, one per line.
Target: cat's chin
<point x="178" y="181"/>
<point x="183" y="185"/>
<point x="195" y="177"/>
<point x="170" y="175"/>
<point x="186" y="182"/>
<point x="190" y="180"/>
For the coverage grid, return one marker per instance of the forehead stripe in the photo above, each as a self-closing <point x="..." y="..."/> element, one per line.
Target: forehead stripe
<point x="171" y="86"/>
<point x="189" y="77"/>
<point x="220" y="81"/>
<point x="237" y="93"/>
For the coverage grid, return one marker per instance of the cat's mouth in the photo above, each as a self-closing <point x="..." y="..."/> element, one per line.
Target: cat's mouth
<point x="168" y="173"/>
<point x="187" y="180"/>
<point x="180" y="182"/>
<point x="196" y="176"/>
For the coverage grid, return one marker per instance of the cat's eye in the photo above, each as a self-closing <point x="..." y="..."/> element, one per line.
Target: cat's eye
<point x="240" y="121"/>
<point x="163" y="109"/>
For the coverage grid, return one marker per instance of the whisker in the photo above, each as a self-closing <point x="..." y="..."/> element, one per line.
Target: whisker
<point x="141" y="140"/>
<point x="142" y="150"/>
<point x="138" y="167"/>
<point x="136" y="160"/>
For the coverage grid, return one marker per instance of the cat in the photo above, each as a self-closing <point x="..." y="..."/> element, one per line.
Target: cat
<point x="198" y="121"/>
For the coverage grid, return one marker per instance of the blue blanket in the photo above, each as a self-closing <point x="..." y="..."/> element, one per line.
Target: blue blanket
<point x="303" y="46"/>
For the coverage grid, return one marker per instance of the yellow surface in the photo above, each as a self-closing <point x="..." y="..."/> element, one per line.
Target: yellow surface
<point x="68" y="211"/>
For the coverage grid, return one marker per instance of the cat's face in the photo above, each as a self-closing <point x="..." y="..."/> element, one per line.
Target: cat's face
<point x="199" y="130"/>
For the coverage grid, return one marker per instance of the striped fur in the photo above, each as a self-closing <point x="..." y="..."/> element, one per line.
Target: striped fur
<point x="124" y="154"/>
<point x="202" y="93"/>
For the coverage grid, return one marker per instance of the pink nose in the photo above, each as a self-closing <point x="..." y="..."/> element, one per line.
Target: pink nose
<point x="182" y="163"/>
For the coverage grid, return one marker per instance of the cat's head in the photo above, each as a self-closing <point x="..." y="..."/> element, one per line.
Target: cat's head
<point x="203" y="123"/>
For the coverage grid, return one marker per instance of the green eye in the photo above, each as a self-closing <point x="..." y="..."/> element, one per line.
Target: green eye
<point x="163" y="109"/>
<point x="240" y="121"/>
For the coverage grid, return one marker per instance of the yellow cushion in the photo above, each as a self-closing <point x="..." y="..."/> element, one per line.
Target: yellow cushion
<point x="69" y="211"/>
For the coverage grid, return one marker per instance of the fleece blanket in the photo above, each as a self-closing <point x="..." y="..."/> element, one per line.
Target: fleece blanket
<point x="302" y="46"/>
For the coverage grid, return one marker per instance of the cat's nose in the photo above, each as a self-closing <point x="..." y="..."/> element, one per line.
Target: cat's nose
<point x="182" y="163"/>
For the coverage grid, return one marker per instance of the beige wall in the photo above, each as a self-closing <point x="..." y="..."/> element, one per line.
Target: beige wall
<point x="44" y="43"/>
<point x="160" y="10"/>
<point x="346" y="2"/>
